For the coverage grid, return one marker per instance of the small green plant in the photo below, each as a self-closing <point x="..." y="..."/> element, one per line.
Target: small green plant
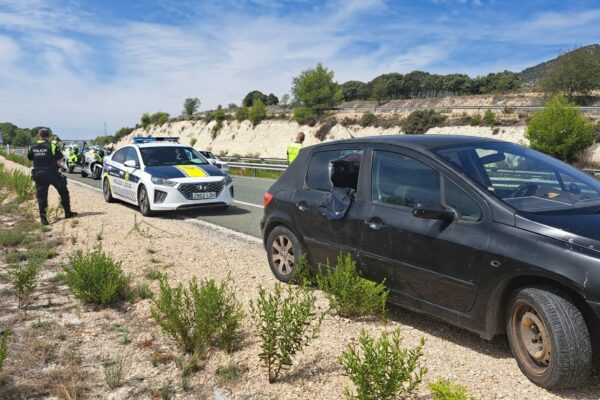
<point x="187" y="366"/>
<point x="382" y="369"/>
<point x="193" y="142"/>
<point x="3" y="348"/>
<point x="285" y="322"/>
<point x="114" y="372"/>
<point x="24" y="280"/>
<point x="489" y="117"/>
<point x="349" y="294"/>
<point x="444" y="389"/>
<point x="200" y="315"/>
<point x="153" y="274"/>
<point x="143" y="291"/>
<point x="475" y="120"/>
<point x="229" y="373"/>
<point x="12" y="237"/>
<point x="17" y="181"/>
<point x="96" y="278"/>
<point x="165" y="392"/>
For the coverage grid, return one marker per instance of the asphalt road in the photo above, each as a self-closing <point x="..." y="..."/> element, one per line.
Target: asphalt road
<point x="243" y="216"/>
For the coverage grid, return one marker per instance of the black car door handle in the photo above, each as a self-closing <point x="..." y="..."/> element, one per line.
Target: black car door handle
<point x="302" y="206"/>
<point x="375" y="223"/>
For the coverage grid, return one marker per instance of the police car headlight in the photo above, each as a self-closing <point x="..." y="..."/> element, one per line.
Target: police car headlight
<point x="227" y="180"/>
<point x="163" y="182"/>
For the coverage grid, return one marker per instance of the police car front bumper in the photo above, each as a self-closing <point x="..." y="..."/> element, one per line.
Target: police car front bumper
<point x="165" y="198"/>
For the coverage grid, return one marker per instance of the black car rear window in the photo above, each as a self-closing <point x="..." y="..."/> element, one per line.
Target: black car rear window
<point x="320" y="170"/>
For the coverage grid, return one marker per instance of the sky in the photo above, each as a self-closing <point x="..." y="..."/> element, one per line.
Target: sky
<point x="77" y="65"/>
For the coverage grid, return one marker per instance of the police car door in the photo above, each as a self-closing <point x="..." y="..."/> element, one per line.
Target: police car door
<point x="115" y="172"/>
<point x="131" y="177"/>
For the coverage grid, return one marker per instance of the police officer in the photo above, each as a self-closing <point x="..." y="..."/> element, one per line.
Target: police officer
<point x="294" y="148"/>
<point x="46" y="156"/>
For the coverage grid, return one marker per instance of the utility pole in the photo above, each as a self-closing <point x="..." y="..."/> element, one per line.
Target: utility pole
<point x="104" y="128"/>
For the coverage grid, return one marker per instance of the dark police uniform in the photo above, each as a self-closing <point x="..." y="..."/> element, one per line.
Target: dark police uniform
<point x="45" y="173"/>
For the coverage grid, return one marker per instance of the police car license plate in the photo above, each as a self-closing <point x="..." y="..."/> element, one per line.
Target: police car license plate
<point x="204" y="196"/>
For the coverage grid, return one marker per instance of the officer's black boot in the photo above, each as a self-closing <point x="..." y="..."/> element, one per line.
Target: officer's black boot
<point x="43" y="219"/>
<point x="70" y="214"/>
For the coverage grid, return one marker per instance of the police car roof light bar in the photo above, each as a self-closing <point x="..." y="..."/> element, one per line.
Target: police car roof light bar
<point x="150" y="139"/>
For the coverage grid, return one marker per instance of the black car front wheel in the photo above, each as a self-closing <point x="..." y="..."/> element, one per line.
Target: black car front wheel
<point x="549" y="337"/>
<point x="284" y="251"/>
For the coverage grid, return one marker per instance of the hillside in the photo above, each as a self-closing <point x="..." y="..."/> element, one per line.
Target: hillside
<point x="530" y="75"/>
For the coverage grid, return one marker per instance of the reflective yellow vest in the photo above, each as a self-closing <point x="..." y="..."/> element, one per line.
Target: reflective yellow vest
<point x="292" y="151"/>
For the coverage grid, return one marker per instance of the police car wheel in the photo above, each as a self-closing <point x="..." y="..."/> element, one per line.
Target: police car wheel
<point x="106" y="191"/>
<point x="284" y="252"/>
<point x="144" y="202"/>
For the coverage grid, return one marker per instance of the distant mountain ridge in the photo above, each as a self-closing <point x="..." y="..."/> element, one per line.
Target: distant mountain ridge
<point x="530" y="75"/>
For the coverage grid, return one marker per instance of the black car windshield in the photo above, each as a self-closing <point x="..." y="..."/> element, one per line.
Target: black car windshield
<point x="171" y="155"/>
<point x="523" y="178"/>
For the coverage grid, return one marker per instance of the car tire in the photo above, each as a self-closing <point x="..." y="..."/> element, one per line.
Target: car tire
<point x="106" y="191"/>
<point x="284" y="251"/>
<point x="83" y="174"/>
<point x="144" y="202"/>
<point x="549" y="337"/>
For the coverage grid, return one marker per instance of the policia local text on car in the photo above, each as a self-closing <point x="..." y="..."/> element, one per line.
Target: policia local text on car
<point x="46" y="157"/>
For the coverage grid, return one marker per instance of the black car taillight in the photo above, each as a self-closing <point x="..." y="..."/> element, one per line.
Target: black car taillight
<point x="267" y="199"/>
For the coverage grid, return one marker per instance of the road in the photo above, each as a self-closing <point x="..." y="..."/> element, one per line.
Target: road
<point x="244" y="216"/>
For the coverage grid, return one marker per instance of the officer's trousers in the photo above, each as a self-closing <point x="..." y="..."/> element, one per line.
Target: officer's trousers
<point x="43" y="180"/>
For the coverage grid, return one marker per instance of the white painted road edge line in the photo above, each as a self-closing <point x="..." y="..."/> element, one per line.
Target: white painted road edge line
<point x="248" y="204"/>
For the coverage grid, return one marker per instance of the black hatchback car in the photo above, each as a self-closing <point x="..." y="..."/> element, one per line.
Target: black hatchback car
<point x="487" y="235"/>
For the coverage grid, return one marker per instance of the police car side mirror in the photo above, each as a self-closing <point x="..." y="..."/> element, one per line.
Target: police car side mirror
<point x="130" y="164"/>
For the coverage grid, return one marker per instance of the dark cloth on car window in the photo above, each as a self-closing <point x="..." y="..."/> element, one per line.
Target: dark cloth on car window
<point x="335" y="203"/>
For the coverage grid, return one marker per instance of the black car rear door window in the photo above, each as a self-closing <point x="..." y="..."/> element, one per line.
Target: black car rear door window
<point x="319" y="172"/>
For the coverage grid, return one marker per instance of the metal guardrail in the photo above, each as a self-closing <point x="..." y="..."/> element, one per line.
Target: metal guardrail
<point x="267" y="167"/>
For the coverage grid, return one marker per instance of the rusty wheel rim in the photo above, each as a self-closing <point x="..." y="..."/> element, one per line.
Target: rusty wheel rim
<point x="532" y="341"/>
<point x="282" y="255"/>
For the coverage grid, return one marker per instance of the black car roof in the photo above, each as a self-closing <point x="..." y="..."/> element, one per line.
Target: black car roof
<point x="427" y="142"/>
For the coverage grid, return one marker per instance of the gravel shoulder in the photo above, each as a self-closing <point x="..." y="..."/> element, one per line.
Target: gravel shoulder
<point x="183" y="250"/>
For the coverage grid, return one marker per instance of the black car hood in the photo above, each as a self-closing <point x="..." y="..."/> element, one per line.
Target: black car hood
<point x="580" y="227"/>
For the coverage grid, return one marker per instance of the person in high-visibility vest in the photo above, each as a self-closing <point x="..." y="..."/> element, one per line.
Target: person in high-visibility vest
<point x="294" y="148"/>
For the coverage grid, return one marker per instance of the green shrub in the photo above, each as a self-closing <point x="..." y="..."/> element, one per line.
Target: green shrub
<point x="145" y="120"/>
<point x="114" y="372"/>
<point x="324" y="129"/>
<point x="560" y="130"/>
<point x="193" y="142"/>
<point x="444" y="389"/>
<point x="24" y="280"/>
<point x="18" y="181"/>
<point x="159" y="118"/>
<point x="382" y="369"/>
<point x="96" y="278"/>
<point x="489" y="117"/>
<point x="285" y="322"/>
<point x="200" y="315"/>
<point x="305" y="116"/>
<point x="257" y="112"/>
<point x="12" y="237"/>
<point x="229" y="373"/>
<point x="143" y="291"/>
<point x="368" y="119"/>
<point x="475" y="120"/>
<point x="16" y="158"/>
<point x="421" y="121"/>
<point x="241" y="114"/>
<point x="349" y="294"/>
<point x="3" y="348"/>
<point x="508" y="110"/>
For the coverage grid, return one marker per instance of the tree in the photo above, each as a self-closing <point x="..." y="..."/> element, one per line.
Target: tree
<point x="560" y="130"/>
<point x="316" y="89"/>
<point x="379" y="91"/>
<point x="257" y="112"/>
<point x="421" y="121"/>
<point x="241" y="114"/>
<point x="145" y="120"/>
<point x="355" y="90"/>
<point x="253" y="96"/>
<point x="576" y="72"/>
<point x="191" y="106"/>
<point x="285" y="99"/>
<point x="272" y="100"/>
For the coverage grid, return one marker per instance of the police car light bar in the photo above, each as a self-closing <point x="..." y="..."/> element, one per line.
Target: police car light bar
<point x="150" y="139"/>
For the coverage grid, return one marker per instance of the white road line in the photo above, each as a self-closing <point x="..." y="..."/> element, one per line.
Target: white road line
<point x="240" y="235"/>
<point x="248" y="204"/>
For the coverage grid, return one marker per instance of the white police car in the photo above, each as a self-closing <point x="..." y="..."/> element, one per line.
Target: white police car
<point x="160" y="174"/>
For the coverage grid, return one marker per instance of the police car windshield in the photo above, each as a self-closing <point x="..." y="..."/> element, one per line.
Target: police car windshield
<point x="161" y="156"/>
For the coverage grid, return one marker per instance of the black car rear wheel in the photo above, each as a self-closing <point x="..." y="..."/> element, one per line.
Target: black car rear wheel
<point x="106" y="191"/>
<point x="549" y="338"/>
<point x="284" y="252"/>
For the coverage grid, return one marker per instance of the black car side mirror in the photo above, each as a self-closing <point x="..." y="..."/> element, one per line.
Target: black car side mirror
<point x="430" y="210"/>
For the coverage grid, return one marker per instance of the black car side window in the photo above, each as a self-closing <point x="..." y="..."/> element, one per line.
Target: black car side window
<point x="402" y="181"/>
<point x="343" y="171"/>
<point x="119" y="156"/>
